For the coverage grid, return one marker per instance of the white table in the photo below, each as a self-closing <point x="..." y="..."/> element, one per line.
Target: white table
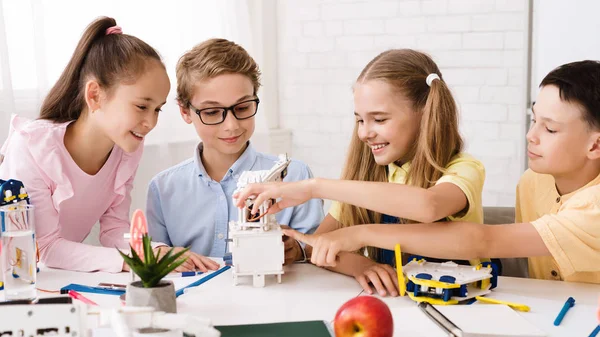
<point x="545" y="299"/>
<point x="311" y="293"/>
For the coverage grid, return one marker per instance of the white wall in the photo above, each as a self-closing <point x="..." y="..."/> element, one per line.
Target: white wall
<point x="480" y="46"/>
<point x="556" y="44"/>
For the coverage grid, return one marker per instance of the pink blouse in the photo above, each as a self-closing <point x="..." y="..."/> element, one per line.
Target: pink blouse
<point x="68" y="201"/>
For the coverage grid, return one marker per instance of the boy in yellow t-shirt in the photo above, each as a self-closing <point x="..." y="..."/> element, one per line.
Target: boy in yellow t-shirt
<point x="558" y="198"/>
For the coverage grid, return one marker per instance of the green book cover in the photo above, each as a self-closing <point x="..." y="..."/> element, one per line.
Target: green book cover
<point x="287" y="329"/>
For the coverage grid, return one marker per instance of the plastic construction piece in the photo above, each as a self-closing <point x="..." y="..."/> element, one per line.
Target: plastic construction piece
<point x="515" y="306"/>
<point x="447" y="282"/>
<point x="595" y="332"/>
<point x="142" y="321"/>
<point x="89" y="289"/>
<point x="12" y="191"/>
<point x="201" y="281"/>
<point x="568" y="305"/>
<point x="401" y="279"/>
<point x="138" y="228"/>
<point x="256" y="244"/>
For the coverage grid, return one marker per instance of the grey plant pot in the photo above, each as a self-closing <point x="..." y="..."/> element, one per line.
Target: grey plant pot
<point x="161" y="297"/>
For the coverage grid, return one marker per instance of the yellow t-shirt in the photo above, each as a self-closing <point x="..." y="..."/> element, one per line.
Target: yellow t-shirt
<point x="463" y="171"/>
<point x="569" y="225"/>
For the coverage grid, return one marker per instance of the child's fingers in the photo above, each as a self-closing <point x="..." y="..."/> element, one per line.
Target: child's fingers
<point x="260" y="199"/>
<point x="373" y="277"/>
<point x="316" y="256"/>
<point x="387" y="281"/>
<point x="309" y="239"/>
<point x="197" y="263"/>
<point x="189" y="265"/>
<point x="208" y="263"/>
<point x="186" y="266"/>
<point x="275" y="208"/>
<point x="392" y="272"/>
<point x="244" y="194"/>
<point x="331" y="256"/>
<point x="362" y="280"/>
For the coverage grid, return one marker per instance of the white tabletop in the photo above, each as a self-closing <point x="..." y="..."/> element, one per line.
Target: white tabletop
<point x="311" y="293"/>
<point x="545" y="299"/>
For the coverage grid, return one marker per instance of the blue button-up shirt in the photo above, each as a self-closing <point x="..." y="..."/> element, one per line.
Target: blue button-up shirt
<point x="187" y="208"/>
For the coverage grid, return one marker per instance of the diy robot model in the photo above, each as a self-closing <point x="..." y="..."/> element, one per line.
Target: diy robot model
<point x="256" y="244"/>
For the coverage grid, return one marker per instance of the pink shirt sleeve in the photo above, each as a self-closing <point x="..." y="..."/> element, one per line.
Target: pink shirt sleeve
<point x="115" y="221"/>
<point x="56" y="251"/>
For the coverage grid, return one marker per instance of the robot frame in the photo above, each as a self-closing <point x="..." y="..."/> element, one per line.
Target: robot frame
<point x="256" y="244"/>
<point x="447" y="282"/>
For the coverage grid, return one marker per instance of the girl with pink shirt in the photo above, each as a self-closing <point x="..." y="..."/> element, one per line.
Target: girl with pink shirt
<point x="79" y="158"/>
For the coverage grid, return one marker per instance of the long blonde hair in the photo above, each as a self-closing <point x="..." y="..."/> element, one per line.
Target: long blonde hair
<point x="438" y="140"/>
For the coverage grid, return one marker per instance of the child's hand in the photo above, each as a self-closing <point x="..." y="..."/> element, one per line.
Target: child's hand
<point x="382" y="276"/>
<point x="293" y="251"/>
<point x="291" y="194"/>
<point x="326" y="246"/>
<point x="194" y="262"/>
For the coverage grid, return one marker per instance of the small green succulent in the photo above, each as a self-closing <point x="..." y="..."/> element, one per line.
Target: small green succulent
<point x="153" y="268"/>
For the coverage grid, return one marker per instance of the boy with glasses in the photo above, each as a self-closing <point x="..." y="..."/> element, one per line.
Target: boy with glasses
<point x="189" y="205"/>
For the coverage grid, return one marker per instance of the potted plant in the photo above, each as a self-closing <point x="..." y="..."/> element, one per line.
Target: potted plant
<point x="151" y="290"/>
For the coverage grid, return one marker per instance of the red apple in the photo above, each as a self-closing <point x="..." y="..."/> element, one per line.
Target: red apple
<point x="364" y="316"/>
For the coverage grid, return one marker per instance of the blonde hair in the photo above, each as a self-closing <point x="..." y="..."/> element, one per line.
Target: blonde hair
<point x="438" y="141"/>
<point x="212" y="58"/>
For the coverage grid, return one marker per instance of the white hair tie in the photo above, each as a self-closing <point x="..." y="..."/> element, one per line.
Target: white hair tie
<point x="431" y="77"/>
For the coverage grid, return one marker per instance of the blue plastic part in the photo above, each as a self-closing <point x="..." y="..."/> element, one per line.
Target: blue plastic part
<point x="410" y="286"/>
<point x="463" y="291"/>
<point x="595" y="332"/>
<point x="448" y="279"/>
<point x="470" y="301"/>
<point x="200" y="281"/>
<point x="89" y="289"/>
<point x="494" y="279"/>
<point x="228" y="259"/>
<point x="416" y="290"/>
<point x="413" y="257"/>
<point x="447" y="295"/>
<point x="424" y="276"/>
<point x="15" y="187"/>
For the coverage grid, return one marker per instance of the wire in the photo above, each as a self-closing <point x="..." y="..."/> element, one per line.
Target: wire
<point x="258" y="217"/>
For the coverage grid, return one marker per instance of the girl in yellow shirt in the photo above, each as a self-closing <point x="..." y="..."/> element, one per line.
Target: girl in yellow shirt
<point x="406" y="133"/>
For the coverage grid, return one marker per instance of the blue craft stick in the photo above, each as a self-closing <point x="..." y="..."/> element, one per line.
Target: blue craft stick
<point x="568" y="305"/>
<point x="595" y="332"/>
<point x="200" y="281"/>
<point x="87" y="289"/>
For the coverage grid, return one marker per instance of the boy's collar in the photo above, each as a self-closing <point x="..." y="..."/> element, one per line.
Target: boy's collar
<point x="565" y="197"/>
<point x="244" y="163"/>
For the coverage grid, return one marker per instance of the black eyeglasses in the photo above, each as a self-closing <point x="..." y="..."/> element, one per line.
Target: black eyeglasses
<point x="216" y="115"/>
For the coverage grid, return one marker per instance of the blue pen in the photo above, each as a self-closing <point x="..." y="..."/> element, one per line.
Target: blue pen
<point x="568" y="305"/>
<point x="595" y="332"/>
<point x="182" y="274"/>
